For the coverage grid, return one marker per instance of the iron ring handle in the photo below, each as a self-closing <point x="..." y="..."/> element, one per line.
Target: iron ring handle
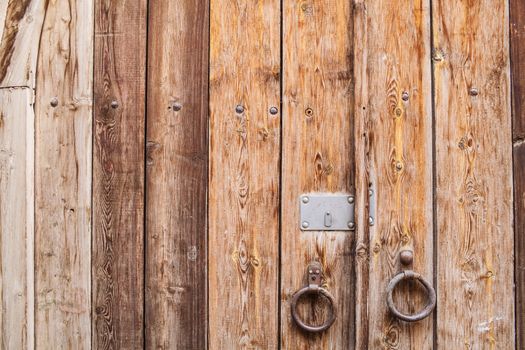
<point x="308" y="290"/>
<point x="411" y="275"/>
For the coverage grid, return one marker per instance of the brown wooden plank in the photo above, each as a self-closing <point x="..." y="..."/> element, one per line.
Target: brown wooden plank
<point x="63" y="176"/>
<point x="177" y="166"/>
<point x="517" y="62"/>
<point x="517" y="34"/>
<point x="394" y="135"/>
<point x="317" y="157"/>
<point x="16" y="218"/>
<point x="474" y="175"/>
<point x="118" y="174"/>
<point x="244" y="175"/>
<point x="362" y="174"/>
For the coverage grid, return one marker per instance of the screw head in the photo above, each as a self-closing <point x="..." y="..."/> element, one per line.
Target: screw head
<point x="239" y="109"/>
<point x="114" y="104"/>
<point x="273" y="110"/>
<point x="54" y="102"/>
<point x="177" y="106"/>
<point x="351" y="225"/>
<point x="350" y="199"/>
<point x="305" y="224"/>
<point x="371" y="221"/>
<point x="306" y="199"/>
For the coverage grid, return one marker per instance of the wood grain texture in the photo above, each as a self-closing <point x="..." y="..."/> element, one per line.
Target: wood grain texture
<point x="16" y="218"/>
<point x="118" y="174"/>
<point x="63" y="176"/>
<point x="517" y="62"/>
<point x="317" y="157"/>
<point x="397" y="136"/>
<point x="244" y="175"/>
<point x="20" y="27"/>
<point x="177" y="171"/>
<point x="362" y="174"/>
<point x="474" y="175"/>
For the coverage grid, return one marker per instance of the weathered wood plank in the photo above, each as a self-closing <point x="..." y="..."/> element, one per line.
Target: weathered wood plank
<point x="63" y="176"/>
<point x="474" y="175"/>
<point x="362" y="174"/>
<point x="16" y="218"/>
<point x="244" y="175"/>
<point x="517" y="62"/>
<point x="317" y="157"/>
<point x="397" y="137"/>
<point x="118" y="174"/>
<point x="177" y="171"/>
<point x="20" y="27"/>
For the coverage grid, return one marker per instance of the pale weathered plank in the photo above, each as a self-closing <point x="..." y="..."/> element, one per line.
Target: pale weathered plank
<point x="517" y="44"/>
<point x="63" y="176"/>
<point x="20" y="27"/>
<point x="118" y="174"/>
<point x="16" y="218"/>
<point x="397" y="133"/>
<point x="177" y="171"/>
<point x="474" y="175"/>
<point x="244" y="175"/>
<point x="317" y="157"/>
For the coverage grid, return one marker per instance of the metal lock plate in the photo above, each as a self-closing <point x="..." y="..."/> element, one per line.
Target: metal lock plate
<point x="326" y="212"/>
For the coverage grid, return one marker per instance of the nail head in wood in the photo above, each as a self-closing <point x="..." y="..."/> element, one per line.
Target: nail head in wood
<point x="239" y="109"/>
<point x="406" y="257"/>
<point x="54" y="102"/>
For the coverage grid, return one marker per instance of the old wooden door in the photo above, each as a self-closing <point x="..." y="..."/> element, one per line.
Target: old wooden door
<point x="160" y="159"/>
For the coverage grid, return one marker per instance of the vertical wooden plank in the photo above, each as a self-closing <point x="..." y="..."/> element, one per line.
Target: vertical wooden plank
<point x="474" y="175"/>
<point x="396" y="161"/>
<point x="118" y="174"/>
<point x="177" y="167"/>
<point x="20" y="27"/>
<point x="517" y="60"/>
<point x="16" y="218"/>
<point x="362" y="174"/>
<point x="244" y="174"/>
<point x="317" y="157"/>
<point x="63" y="176"/>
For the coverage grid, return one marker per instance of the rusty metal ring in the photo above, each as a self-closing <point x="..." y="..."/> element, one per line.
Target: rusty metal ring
<point x="411" y="275"/>
<point x="308" y="290"/>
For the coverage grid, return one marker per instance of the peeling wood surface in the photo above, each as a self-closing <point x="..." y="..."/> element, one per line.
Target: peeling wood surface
<point x="244" y="175"/>
<point x="398" y="135"/>
<point x="20" y="27"/>
<point x="473" y="174"/>
<point x="118" y="174"/>
<point x="317" y="157"/>
<point x="177" y="172"/>
<point x="16" y="219"/>
<point x="517" y="45"/>
<point x="63" y="177"/>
